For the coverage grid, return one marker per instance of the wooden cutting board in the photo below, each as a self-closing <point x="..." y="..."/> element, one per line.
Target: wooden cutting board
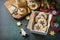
<point x="8" y="4"/>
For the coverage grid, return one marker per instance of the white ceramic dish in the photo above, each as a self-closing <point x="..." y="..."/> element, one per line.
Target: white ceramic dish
<point x="31" y="23"/>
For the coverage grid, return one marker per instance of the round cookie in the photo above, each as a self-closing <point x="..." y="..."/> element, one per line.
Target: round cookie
<point x="33" y="6"/>
<point x="43" y="14"/>
<point x="42" y="21"/>
<point x="38" y="17"/>
<point x="37" y="27"/>
<point x="22" y="11"/>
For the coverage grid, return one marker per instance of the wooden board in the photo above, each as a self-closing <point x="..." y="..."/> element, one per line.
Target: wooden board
<point x="8" y="4"/>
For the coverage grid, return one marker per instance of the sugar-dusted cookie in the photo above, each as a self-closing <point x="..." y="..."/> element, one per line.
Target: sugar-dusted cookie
<point x="27" y="17"/>
<point x="32" y="4"/>
<point x="22" y="11"/>
<point x="38" y="17"/>
<point x="38" y="27"/>
<point x="19" y="23"/>
<point x="43" y="14"/>
<point x="42" y="21"/>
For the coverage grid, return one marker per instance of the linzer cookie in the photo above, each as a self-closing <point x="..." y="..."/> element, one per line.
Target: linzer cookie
<point x="39" y="22"/>
<point x="32" y="4"/>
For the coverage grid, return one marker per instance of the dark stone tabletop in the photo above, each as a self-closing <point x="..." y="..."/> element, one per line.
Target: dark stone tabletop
<point x="9" y="30"/>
